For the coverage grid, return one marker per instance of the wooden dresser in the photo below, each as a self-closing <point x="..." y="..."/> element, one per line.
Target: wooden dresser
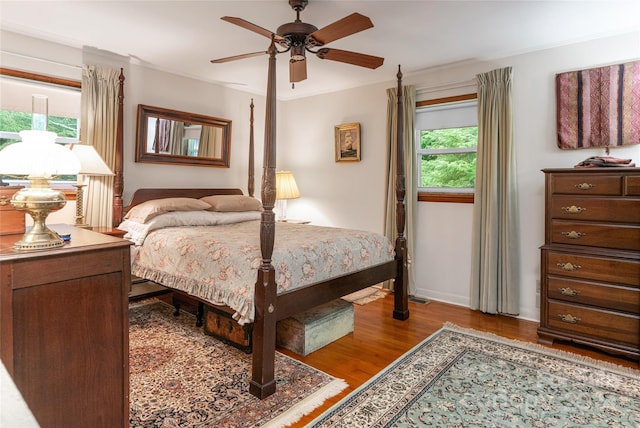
<point x="11" y="220"/>
<point x="64" y="328"/>
<point x="590" y="268"/>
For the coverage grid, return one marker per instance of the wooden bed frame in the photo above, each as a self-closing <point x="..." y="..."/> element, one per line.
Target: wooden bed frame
<point x="269" y="306"/>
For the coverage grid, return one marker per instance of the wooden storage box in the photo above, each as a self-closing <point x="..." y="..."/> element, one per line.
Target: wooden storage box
<point x="311" y="330"/>
<point x="219" y="323"/>
<point x="11" y="220"/>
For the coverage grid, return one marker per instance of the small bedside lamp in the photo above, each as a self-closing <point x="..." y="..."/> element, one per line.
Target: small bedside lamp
<point x="91" y="164"/>
<point x="39" y="158"/>
<point x="286" y="188"/>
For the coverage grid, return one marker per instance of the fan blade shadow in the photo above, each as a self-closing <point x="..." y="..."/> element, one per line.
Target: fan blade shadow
<point x="235" y="57"/>
<point x="346" y="26"/>
<point x="253" y="27"/>
<point x="354" y="58"/>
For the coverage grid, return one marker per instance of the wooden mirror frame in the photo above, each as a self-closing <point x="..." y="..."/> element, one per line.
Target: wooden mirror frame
<point x="142" y="155"/>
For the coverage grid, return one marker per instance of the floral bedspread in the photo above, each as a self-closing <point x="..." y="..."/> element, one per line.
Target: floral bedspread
<point x="219" y="263"/>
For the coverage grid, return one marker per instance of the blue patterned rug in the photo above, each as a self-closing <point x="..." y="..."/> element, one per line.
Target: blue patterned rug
<point x="465" y="378"/>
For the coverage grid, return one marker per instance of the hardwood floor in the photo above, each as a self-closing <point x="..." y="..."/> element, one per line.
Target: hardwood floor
<point x="378" y="340"/>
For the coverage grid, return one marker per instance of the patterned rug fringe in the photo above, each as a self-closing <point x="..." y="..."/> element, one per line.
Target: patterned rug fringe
<point x="311" y="403"/>
<point x="544" y="350"/>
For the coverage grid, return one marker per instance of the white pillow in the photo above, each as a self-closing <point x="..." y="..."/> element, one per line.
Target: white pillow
<point x="137" y="232"/>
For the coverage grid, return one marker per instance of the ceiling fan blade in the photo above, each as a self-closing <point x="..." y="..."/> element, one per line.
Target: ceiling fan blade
<point x="346" y="26"/>
<point x="297" y="71"/>
<point x="235" y="57"/>
<point x="252" y="27"/>
<point x="355" y="58"/>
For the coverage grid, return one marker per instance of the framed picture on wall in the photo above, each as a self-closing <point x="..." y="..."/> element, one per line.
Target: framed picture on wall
<point x="347" y="138"/>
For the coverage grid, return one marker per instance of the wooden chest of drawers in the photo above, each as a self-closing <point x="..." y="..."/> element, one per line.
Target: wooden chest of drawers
<point x="590" y="267"/>
<point x="11" y="220"/>
<point x="64" y="331"/>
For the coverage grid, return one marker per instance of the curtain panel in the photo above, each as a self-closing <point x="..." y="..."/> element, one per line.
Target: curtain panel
<point x="495" y="242"/>
<point x="99" y="122"/>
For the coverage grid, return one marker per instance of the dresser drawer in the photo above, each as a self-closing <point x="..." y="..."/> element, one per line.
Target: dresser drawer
<point x="593" y="322"/>
<point x="595" y="209"/>
<point x="632" y="186"/>
<point x="594" y="294"/>
<point x="586" y="184"/>
<point x="605" y="269"/>
<point x="618" y="236"/>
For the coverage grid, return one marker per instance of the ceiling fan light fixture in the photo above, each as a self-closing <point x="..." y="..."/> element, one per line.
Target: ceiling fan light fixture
<point x="297" y="53"/>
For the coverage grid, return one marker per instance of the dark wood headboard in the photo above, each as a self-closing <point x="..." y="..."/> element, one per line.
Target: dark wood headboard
<point x="142" y="195"/>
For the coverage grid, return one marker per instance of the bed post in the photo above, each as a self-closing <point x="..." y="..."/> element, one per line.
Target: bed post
<point x="400" y="294"/>
<point x="118" y="180"/>
<point x="251" y="184"/>
<point x="262" y="382"/>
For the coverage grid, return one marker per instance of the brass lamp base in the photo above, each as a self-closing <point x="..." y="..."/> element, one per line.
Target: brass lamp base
<point x="38" y="200"/>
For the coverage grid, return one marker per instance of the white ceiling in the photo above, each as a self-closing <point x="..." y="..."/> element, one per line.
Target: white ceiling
<point x="183" y="36"/>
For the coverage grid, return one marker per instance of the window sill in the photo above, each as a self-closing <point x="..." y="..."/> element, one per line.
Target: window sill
<point x="459" y="198"/>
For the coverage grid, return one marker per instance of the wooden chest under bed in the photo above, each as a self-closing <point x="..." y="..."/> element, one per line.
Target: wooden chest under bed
<point x="218" y="322"/>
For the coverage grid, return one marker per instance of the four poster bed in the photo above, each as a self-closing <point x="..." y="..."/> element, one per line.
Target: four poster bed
<point x="287" y="281"/>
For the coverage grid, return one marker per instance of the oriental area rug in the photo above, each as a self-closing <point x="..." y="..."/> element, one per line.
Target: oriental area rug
<point x="180" y="377"/>
<point x="465" y="378"/>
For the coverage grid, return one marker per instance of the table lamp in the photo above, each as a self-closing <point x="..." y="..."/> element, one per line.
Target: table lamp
<point x="39" y="158"/>
<point x="91" y="164"/>
<point x="286" y="188"/>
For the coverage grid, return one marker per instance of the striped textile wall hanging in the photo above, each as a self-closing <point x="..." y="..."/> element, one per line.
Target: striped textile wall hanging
<point x="599" y="107"/>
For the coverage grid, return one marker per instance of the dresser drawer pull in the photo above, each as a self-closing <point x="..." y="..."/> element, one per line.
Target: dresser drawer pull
<point x="573" y="234"/>
<point x="566" y="291"/>
<point x="569" y="267"/>
<point x="568" y="318"/>
<point x="584" y="186"/>
<point x="4" y="200"/>
<point x="573" y="209"/>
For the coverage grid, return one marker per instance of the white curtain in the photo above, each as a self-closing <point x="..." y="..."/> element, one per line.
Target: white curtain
<point x="209" y="145"/>
<point x="409" y="114"/>
<point x="98" y="126"/>
<point x="495" y="242"/>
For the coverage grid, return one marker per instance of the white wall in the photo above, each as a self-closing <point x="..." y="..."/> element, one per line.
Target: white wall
<point x="442" y="258"/>
<point x="352" y="194"/>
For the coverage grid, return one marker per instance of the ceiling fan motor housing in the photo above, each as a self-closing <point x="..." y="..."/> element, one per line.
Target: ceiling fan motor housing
<point x="298" y="5"/>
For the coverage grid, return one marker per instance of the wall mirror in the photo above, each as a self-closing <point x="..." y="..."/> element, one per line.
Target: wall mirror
<point x="175" y="137"/>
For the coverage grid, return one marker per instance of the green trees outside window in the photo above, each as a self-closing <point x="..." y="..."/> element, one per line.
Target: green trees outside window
<point x="447" y="158"/>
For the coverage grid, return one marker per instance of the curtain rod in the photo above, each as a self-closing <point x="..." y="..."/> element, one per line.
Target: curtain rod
<point x="40" y="59"/>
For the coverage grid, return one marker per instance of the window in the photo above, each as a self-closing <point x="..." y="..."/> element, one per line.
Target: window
<point x="447" y="140"/>
<point x="63" y="96"/>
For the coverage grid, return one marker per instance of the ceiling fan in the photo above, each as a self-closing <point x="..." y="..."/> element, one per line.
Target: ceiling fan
<point x="299" y="37"/>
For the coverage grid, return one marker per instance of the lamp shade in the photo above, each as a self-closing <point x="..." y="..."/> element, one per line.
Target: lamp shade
<point x="91" y="163"/>
<point x="37" y="155"/>
<point x="286" y="187"/>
